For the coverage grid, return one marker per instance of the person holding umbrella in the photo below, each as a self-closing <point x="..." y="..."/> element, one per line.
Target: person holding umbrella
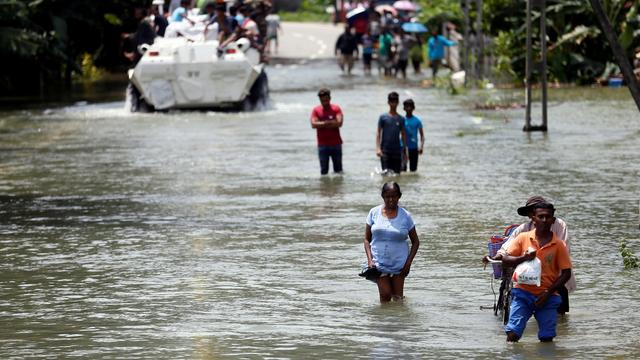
<point x="358" y="19"/>
<point x="415" y="53"/>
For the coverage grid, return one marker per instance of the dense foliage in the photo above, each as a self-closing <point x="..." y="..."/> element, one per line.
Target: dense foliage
<point x="309" y="10"/>
<point x="578" y="50"/>
<point x="44" y="41"/>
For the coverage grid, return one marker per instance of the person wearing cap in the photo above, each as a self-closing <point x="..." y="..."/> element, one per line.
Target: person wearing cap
<point x="555" y="270"/>
<point x="327" y="119"/>
<point x="559" y="228"/>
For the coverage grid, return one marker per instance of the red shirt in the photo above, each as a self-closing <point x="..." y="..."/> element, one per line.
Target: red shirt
<point x="328" y="136"/>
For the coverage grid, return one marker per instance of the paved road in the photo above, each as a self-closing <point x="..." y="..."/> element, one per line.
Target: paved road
<point x="307" y="40"/>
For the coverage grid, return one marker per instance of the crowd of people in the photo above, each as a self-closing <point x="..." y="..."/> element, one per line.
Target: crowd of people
<point x="391" y="241"/>
<point x="394" y="40"/>
<point x="205" y="20"/>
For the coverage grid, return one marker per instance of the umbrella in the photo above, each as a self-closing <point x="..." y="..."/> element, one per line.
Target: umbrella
<point x="382" y="8"/>
<point x="405" y="5"/>
<point x="357" y="12"/>
<point x="414" y="27"/>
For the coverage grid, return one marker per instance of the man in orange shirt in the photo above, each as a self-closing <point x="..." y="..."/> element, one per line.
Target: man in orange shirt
<point x="540" y="301"/>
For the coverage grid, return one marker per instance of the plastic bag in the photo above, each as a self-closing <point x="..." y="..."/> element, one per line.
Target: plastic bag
<point x="528" y="272"/>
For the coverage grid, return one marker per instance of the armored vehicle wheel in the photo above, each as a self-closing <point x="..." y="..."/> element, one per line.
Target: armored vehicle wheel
<point x="135" y="102"/>
<point x="259" y="93"/>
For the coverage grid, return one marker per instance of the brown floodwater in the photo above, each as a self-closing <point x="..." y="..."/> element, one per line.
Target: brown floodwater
<point x="206" y="235"/>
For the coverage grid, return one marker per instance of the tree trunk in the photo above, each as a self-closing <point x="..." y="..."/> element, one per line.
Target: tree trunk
<point x="621" y="59"/>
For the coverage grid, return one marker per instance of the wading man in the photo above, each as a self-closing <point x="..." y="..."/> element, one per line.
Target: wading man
<point x="326" y="118"/>
<point x="555" y="270"/>
<point x="390" y="130"/>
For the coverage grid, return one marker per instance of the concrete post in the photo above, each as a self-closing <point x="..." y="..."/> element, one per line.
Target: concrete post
<point x="543" y="45"/>
<point x="527" y="76"/>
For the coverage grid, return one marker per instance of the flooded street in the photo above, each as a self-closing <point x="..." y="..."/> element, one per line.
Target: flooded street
<point x="204" y="235"/>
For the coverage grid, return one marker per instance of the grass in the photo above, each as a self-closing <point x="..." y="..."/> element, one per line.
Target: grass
<point x="629" y="259"/>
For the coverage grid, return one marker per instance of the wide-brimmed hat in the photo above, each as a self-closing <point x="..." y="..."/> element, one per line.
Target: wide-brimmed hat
<point x="526" y="209"/>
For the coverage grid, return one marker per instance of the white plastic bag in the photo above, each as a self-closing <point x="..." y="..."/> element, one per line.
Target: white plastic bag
<point x="528" y="272"/>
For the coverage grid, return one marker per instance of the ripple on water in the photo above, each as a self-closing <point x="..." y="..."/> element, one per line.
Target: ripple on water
<point x="211" y="235"/>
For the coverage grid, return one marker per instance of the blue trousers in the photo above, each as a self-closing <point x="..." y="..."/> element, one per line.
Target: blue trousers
<point x="523" y="307"/>
<point x="330" y="152"/>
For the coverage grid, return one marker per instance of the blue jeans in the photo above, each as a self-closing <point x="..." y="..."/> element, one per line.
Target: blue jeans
<point x="523" y="307"/>
<point x="335" y="153"/>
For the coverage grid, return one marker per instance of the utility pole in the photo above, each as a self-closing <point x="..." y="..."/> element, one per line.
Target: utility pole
<point x="543" y="67"/>
<point x="466" y="55"/>
<point x="529" y="66"/>
<point x="479" y="41"/>
<point x="618" y="52"/>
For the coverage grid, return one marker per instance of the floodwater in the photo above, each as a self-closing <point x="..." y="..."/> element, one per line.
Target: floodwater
<point x="204" y="235"/>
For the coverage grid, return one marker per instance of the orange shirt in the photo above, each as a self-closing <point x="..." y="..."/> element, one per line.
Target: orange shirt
<point x="554" y="257"/>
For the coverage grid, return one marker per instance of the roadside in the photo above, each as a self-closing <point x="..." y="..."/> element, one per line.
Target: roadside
<point x="307" y="41"/>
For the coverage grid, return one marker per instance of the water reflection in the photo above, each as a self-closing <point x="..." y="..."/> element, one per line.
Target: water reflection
<point x="331" y="185"/>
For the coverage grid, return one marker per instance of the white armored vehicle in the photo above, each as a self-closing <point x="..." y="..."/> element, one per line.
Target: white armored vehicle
<point x="182" y="73"/>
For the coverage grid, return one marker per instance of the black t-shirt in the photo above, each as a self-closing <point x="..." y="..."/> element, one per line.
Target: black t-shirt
<point x="392" y="127"/>
<point x="161" y="24"/>
<point x="347" y="43"/>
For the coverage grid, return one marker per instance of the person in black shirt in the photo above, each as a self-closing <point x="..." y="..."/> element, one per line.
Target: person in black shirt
<point x="347" y="44"/>
<point x="390" y="131"/>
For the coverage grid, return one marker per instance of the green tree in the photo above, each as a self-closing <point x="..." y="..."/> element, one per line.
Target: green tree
<point x="43" y="42"/>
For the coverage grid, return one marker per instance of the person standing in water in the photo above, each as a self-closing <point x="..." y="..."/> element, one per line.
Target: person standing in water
<point x="327" y="118"/>
<point x="543" y="300"/>
<point x="385" y="243"/>
<point x="390" y="129"/>
<point x="559" y="229"/>
<point x="436" y="46"/>
<point x="347" y="45"/>
<point x="413" y="127"/>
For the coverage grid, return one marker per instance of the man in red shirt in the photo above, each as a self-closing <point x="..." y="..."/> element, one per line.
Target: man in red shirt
<point x="326" y="118"/>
